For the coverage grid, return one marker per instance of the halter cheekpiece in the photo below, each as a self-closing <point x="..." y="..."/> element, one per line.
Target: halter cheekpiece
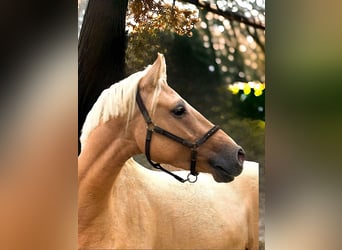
<point x="151" y="127"/>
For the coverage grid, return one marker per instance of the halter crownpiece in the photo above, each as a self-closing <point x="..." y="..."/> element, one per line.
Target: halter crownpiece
<point x="151" y="127"/>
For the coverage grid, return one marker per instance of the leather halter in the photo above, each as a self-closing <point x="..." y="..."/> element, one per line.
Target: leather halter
<point x="151" y="127"/>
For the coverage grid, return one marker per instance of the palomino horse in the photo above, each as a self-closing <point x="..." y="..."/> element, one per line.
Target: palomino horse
<point x="125" y="206"/>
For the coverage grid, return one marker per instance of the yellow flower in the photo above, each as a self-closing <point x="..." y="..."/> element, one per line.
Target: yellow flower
<point x="257" y="92"/>
<point x="234" y="88"/>
<point x="247" y="89"/>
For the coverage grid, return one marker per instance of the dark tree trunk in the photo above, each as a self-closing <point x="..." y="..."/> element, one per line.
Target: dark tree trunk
<point x="101" y="51"/>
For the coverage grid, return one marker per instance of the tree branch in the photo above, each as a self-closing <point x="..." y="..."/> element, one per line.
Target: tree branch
<point x="227" y="14"/>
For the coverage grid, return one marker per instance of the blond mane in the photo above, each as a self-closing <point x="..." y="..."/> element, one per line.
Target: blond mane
<point x="118" y="100"/>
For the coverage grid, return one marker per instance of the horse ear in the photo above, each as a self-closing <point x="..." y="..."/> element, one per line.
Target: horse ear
<point x="155" y="73"/>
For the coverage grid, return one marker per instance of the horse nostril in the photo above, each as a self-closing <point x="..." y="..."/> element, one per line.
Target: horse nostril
<point x="241" y="156"/>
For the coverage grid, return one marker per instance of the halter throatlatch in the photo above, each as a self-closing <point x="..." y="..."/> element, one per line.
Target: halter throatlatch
<point x="151" y="127"/>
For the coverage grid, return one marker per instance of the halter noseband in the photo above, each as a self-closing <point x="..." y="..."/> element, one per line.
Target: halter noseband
<point x="151" y="127"/>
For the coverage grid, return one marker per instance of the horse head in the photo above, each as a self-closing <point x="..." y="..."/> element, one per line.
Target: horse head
<point x="217" y="153"/>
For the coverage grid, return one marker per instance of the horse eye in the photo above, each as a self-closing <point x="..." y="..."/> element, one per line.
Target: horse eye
<point x="179" y="111"/>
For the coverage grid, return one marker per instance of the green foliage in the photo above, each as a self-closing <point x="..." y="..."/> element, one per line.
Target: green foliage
<point x="250" y="105"/>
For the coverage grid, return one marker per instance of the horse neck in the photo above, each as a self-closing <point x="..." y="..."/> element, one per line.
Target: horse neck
<point x="105" y="153"/>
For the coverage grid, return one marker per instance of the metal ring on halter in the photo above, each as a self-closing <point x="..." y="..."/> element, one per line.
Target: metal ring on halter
<point x="150" y="126"/>
<point x="191" y="181"/>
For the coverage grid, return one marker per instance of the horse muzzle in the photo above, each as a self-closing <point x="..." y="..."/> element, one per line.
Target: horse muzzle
<point x="227" y="164"/>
